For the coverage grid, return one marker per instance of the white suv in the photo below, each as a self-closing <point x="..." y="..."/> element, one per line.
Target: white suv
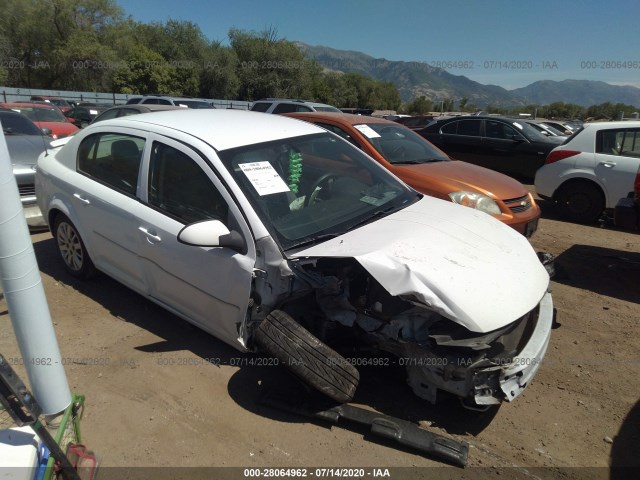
<point x="592" y="170"/>
<point x="176" y="101"/>
<point x="285" y="105"/>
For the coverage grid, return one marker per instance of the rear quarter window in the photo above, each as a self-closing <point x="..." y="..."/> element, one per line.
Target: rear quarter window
<point x="112" y="159"/>
<point x="260" y="107"/>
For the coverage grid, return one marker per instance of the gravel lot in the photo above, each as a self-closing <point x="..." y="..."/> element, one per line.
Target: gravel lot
<point x="154" y="400"/>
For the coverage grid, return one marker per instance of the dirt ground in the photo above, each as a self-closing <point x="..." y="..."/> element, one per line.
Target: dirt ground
<point x="154" y="401"/>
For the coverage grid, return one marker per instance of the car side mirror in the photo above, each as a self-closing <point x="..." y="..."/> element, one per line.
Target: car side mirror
<point x="211" y="233"/>
<point x="46" y="131"/>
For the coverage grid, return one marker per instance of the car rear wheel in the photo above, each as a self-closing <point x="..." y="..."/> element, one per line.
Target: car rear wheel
<point x="581" y="202"/>
<point x="71" y="248"/>
<point x="307" y="357"/>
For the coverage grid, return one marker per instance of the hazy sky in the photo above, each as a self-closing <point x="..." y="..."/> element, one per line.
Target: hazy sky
<point x="501" y="42"/>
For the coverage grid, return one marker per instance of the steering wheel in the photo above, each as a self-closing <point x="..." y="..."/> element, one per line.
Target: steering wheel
<point x="398" y="153"/>
<point x="317" y="187"/>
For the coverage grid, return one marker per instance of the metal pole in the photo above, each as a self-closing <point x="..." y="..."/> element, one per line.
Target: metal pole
<point x="26" y="301"/>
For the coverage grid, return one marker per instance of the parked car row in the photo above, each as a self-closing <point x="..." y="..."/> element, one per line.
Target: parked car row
<point x="44" y="115"/>
<point x="516" y="147"/>
<point x="278" y="236"/>
<point x="431" y="171"/>
<point x="25" y="142"/>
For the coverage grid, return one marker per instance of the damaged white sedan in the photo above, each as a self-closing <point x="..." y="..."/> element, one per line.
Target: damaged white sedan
<point x="277" y="236"/>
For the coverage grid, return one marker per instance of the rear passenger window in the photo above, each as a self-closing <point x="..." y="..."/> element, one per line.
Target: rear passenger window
<point x="290" y="107"/>
<point x="469" y="127"/>
<point x="625" y="142"/>
<point x="260" y="107"/>
<point x="113" y="159"/>
<point x="450" y="128"/>
<point x="181" y="189"/>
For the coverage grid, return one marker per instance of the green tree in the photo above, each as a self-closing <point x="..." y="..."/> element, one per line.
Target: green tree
<point x="447" y="104"/>
<point x="269" y="66"/>
<point x="145" y="71"/>
<point x="420" y="106"/>
<point x="51" y="37"/>
<point x="184" y="49"/>
<point x="335" y="90"/>
<point x="4" y="59"/>
<point x="219" y="78"/>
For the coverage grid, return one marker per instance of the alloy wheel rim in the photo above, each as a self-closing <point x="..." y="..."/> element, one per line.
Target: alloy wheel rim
<point x="70" y="246"/>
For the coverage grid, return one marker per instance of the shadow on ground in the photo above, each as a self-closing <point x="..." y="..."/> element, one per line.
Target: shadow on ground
<point x="625" y="451"/>
<point x="604" y="271"/>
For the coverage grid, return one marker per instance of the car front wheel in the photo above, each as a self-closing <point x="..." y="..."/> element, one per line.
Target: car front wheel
<point x="71" y="248"/>
<point x="307" y="357"/>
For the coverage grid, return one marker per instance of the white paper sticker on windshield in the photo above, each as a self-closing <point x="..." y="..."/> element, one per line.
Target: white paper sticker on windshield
<point x="264" y="178"/>
<point x="367" y="131"/>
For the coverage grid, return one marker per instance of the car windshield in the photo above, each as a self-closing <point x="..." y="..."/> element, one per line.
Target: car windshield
<point x="41" y="114"/>
<point x="60" y="102"/>
<point x="530" y="132"/>
<point x="319" y="108"/>
<point x="399" y="145"/>
<point x="306" y="189"/>
<point x="14" y="124"/>
<point x="194" y="103"/>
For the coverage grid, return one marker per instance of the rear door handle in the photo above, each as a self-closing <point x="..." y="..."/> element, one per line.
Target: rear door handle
<point x="81" y="198"/>
<point x="608" y="164"/>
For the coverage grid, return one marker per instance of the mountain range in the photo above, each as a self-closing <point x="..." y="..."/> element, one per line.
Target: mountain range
<point x="414" y="79"/>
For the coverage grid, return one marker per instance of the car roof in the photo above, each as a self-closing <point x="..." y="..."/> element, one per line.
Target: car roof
<point x="145" y="107"/>
<point x="293" y="100"/>
<point x="618" y="124"/>
<point x="344" y="118"/>
<point x="29" y="104"/>
<point x="222" y="129"/>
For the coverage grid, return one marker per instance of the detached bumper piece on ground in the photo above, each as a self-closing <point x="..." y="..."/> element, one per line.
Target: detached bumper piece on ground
<point x="400" y="431"/>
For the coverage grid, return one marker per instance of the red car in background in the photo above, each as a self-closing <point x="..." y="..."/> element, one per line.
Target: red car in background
<point x="44" y="116"/>
<point x="61" y="103"/>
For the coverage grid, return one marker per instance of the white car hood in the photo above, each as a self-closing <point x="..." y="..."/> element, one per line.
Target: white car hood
<point x="462" y="263"/>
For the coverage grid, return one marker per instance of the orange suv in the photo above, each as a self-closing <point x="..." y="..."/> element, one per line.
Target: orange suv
<point x="431" y="171"/>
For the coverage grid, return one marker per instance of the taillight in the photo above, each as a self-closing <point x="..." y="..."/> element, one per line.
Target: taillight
<point x="556" y="155"/>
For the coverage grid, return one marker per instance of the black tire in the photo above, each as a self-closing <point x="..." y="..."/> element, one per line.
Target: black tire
<point x="581" y="202"/>
<point x="307" y="357"/>
<point x="71" y="248"/>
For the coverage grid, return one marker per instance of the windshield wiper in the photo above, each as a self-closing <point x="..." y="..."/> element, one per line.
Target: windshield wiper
<point x="314" y="240"/>
<point x="377" y="214"/>
<point x="417" y="162"/>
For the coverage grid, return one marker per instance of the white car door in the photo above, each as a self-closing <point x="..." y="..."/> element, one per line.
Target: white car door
<point x="208" y="286"/>
<point x="617" y="161"/>
<point x="104" y="200"/>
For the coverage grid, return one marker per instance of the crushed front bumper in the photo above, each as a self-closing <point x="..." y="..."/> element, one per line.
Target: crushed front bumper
<point x="513" y="377"/>
<point x="482" y="382"/>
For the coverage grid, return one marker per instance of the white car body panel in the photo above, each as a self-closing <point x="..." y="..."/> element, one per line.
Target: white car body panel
<point x="473" y="270"/>
<point x="614" y="174"/>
